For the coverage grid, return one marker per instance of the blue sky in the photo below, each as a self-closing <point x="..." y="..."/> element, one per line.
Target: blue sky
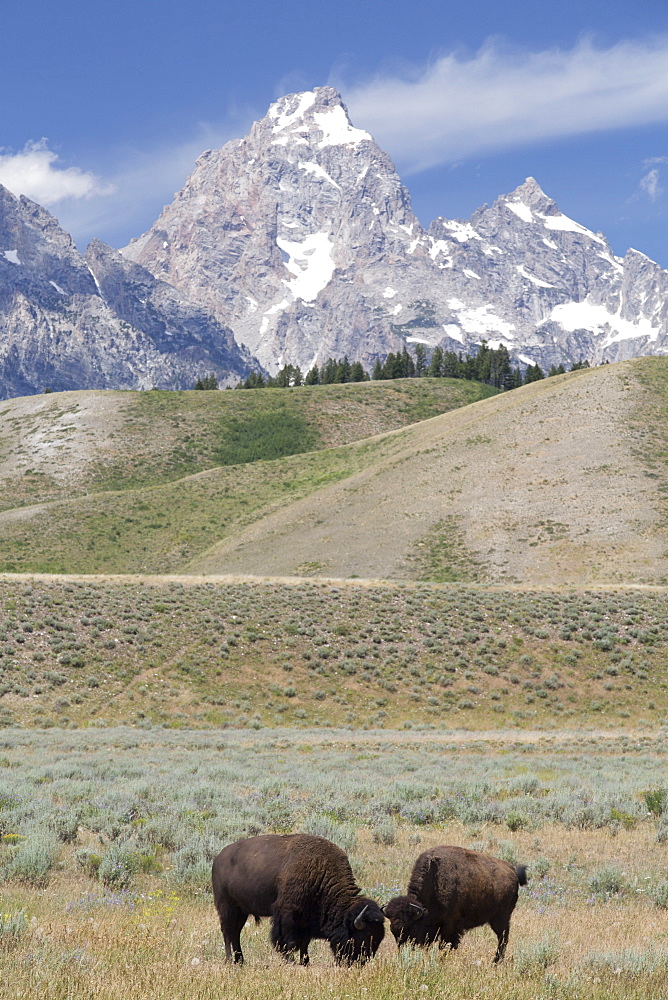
<point x="107" y="104"/>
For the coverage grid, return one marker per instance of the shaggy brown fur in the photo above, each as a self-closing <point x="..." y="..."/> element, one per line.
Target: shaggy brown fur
<point x="452" y="890"/>
<point x="306" y="885"/>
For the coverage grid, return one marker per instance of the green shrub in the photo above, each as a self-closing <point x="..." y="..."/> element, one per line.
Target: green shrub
<point x="88" y="861"/>
<point x="343" y="834"/>
<point x="656" y="800"/>
<point x="384" y="832"/>
<point x="536" y="956"/>
<point x="117" y="868"/>
<point x="540" y="867"/>
<point x="516" y="820"/>
<point x="608" y="881"/>
<point x="32" y="860"/>
<point x="12" y="926"/>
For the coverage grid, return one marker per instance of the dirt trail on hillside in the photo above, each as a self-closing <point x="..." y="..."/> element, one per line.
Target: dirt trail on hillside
<point x="543" y="483"/>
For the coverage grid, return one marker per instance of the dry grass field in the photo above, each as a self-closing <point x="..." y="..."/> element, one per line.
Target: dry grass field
<point x="143" y="481"/>
<point x="593" y="921"/>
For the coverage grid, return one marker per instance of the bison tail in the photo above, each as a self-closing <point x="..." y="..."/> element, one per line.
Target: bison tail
<point x="257" y="919"/>
<point x="521" y="874"/>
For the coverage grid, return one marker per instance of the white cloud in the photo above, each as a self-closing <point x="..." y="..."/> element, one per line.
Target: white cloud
<point x="34" y="172"/>
<point x="649" y="184"/>
<point x="463" y="106"/>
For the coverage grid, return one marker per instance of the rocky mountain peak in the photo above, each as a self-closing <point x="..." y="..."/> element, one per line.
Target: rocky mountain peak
<point x="272" y="229"/>
<point x="531" y="193"/>
<point x="314" y="117"/>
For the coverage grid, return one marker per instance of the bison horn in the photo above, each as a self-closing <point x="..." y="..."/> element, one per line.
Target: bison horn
<point x="420" y="909"/>
<point x="359" y="921"/>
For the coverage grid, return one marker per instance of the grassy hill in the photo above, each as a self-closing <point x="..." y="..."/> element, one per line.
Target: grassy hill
<point x="561" y="482"/>
<point x="127" y="481"/>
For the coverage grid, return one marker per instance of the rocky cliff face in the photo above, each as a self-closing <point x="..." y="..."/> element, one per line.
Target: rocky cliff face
<point x="69" y="322"/>
<point x="302" y="239"/>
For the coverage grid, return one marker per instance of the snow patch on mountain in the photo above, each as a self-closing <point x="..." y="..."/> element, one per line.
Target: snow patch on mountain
<point x="521" y="210"/>
<point x="336" y="128"/>
<point x="310" y="260"/>
<point x="565" y="225"/>
<point x="480" y="319"/>
<point x="532" y="278"/>
<point x="461" y="231"/>
<point x="299" y="103"/>
<point x="597" y="319"/>
<point x="317" y="171"/>
<point x="272" y="311"/>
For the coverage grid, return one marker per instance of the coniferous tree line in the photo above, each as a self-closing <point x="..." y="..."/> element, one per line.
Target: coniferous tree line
<point x="490" y="365"/>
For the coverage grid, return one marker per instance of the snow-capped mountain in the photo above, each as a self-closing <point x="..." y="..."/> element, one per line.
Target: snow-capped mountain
<point x="302" y="239"/>
<point x="291" y="236"/>
<point x="526" y="275"/>
<point x="298" y="243"/>
<point x="99" y="321"/>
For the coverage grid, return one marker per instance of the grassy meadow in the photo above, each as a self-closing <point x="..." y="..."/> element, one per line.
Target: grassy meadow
<point x="106" y="843"/>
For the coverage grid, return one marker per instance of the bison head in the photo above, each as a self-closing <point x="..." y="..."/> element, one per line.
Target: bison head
<point x="408" y="921"/>
<point x="360" y="933"/>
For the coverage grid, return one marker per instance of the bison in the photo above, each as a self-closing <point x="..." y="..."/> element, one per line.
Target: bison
<point x="306" y="885"/>
<point x="452" y="890"/>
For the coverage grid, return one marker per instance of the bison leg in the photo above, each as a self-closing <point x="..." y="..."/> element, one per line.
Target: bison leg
<point x="287" y="936"/>
<point x="501" y="927"/>
<point x="232" y="921"/>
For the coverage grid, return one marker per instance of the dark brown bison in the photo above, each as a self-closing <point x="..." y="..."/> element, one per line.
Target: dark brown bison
<point x="306" y="885"/>
<point x="452" y="890"/>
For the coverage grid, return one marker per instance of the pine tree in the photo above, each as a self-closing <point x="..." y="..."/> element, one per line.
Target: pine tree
<point x="357" y="373"/>
<point x="312" y="376"/>
<point x="407" y="365"/>
<point x="208" y="382"/>
<point x="377" y="373"/>
<point x="451" y="366"/>
<point x="328" y="372"/>
<point x="436" y="363"/>
<point x="390" y="366"/>
<point x="343" y="370"/>
<point x="534" y="373"/>
<point x="420" y="360"/>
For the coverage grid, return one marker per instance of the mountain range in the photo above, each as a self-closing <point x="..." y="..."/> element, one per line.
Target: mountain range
<point x="299" y="243"/>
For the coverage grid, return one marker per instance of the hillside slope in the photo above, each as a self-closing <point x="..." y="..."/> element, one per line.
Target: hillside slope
<point x="559" y="482"/>
<point x="142" y="482"/>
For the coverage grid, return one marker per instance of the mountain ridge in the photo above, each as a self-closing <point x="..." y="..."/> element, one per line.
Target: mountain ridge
<point x="298" y="243"/>
<point x="327" y="256"/>
<point x="60" y="331"/>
